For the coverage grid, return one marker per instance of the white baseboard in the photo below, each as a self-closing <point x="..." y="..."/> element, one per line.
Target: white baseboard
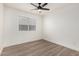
<point x="62" y="44"/>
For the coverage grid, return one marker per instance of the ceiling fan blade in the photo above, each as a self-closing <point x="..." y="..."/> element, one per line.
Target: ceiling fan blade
<point x="34" y="5"/>
<point x="44" y="4"/>
<point x="45" y="9"/>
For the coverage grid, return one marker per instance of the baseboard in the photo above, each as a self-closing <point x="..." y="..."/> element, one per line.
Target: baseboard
<point x="62" y="45"/>
<point x="20" y="43"/>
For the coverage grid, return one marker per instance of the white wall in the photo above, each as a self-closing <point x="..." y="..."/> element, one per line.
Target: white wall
<point x="11" y="34"/>
<point x="1" y="26"/>
<point x="63" y="27"/>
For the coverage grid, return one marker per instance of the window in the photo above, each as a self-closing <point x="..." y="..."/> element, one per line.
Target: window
<point x="23" y="27"/>
<point x="32" y="27"/>
<point x="27" y="24"/>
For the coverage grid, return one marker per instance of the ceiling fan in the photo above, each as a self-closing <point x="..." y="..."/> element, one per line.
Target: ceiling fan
<point x="40" y="6"/>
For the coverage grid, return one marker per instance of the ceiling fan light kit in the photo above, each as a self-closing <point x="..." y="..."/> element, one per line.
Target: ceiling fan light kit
<point x="40" y="7"/>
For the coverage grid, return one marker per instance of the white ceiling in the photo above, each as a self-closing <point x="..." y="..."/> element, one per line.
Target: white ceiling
<point x="54" y="7"/>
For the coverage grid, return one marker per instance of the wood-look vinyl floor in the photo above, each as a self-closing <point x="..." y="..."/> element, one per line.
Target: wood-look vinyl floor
<point x="38" y="48"/>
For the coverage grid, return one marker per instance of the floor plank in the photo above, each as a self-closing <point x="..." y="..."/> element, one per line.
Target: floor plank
<point x="38" y="48"/>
